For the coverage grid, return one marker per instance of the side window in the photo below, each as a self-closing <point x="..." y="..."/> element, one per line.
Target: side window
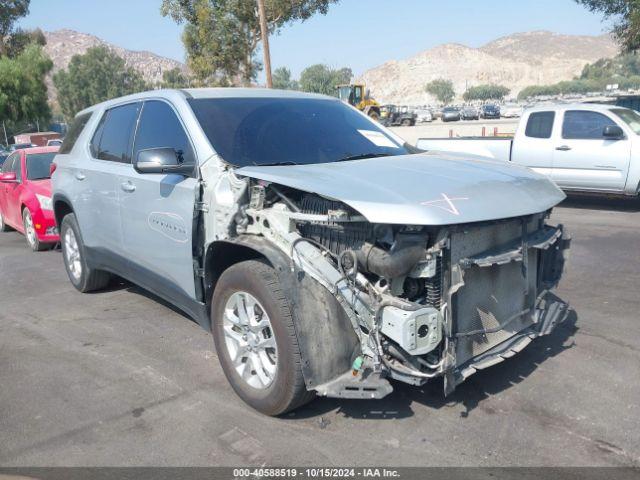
<point x="8" y="163"/>
<point x="160" y="127"/>
<point x="74" y="132"/>
<point x="112" y="139"/>
<point x="540" y="125"/>
<point x="584" y="125"/>
<point x="17" y="167"/>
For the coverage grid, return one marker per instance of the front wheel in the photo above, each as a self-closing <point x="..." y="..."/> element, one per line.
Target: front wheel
<point x="255" y="339"/>
<point x="30" y="232"/>
<point x="83" y="277"/>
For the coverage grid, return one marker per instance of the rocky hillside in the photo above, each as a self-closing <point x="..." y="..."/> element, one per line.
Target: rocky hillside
<point x="515" y="61"/>
<point x="64" y="44"/>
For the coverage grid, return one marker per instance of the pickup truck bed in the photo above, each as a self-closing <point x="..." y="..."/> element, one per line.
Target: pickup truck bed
<point x="496" y="148"/>
<point x="583" y="147"/>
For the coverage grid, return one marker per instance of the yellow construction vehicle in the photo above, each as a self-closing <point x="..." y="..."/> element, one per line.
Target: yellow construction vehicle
<point x="356" y="94"/>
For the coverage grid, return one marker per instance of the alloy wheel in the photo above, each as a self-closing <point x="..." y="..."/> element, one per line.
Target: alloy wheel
<point x="72" y="254"/>
<point x="29" y="229"/>
<point x="250" y="341"/>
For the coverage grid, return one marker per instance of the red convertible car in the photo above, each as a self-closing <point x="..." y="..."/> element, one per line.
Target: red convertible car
<point x="25" y="196"/>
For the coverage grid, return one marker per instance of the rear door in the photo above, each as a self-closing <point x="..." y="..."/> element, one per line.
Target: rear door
<point x="533" y="147"/>
<point x="157" y="210"/>
<point x="584" y="159"/>
<point x="96" y="180"/>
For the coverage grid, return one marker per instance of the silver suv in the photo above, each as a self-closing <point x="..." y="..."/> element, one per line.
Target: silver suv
<point x="326" y="255"/>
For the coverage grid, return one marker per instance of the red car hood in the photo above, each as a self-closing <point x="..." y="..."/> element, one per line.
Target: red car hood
<point x="41" y="187"/>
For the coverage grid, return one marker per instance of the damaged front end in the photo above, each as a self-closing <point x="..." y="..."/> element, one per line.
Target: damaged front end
<point x="376" y="301"/>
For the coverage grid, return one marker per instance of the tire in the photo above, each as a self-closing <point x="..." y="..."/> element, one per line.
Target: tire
<point x="3" y="226"/>
<point x="82" y="277"/>
<point x="406" y="122"/>
<point x="374" y="115"/>
<point x="281" y="387"/>
<point x="30" y="233"/>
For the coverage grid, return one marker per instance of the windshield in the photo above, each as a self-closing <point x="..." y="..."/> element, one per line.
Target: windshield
<point x="38" y="165"/>
<point x="273" y="131"/>
<point x="630" y="117"/>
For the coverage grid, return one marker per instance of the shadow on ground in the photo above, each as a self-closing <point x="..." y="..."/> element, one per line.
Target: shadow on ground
<point x="601" y="202"/>
<point x="470" y="394"/>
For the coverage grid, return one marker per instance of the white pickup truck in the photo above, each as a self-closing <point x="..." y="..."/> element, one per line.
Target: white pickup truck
<point x="583" y="147"/>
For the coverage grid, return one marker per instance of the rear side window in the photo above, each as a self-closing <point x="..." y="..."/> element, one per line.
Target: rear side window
<point x="74" y="132"/>
<point x="540" y="125"/>
<point x="160" y="127"/>
<point x="112" y="139"/>
<point x="584" y="125"/>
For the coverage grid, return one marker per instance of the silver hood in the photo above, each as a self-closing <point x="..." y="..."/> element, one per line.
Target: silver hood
<point x="423" y="189"/>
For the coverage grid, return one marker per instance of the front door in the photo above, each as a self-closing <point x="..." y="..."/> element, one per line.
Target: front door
<point x="584" y="159"/>
<point x="157" y="210"/>
<point x="12" y="210"/>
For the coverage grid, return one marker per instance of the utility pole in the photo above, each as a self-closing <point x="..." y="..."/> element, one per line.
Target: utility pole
<point x="265" y="43"/>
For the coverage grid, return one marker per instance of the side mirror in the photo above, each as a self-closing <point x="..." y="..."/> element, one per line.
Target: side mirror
<point x="612" y="132"/>
<point x="162" y="160"/>
<point x="8" y="177"/>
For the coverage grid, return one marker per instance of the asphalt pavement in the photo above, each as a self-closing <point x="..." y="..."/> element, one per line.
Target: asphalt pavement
<point x="119" y="378"/>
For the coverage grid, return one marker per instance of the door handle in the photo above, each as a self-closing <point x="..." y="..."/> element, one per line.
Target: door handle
<point x="80" y="176"/>
<point x="564" y="148"/>
<point x="128" y="187"/>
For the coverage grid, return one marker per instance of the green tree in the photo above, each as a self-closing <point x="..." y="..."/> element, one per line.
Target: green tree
<point x="323" y="79"/>
<point x="10" y="12"/>
<point x="486" y="92"/>
<point x="441" y="89"/>
<point x="282" y="79"/>
<point x="23" y="92"/>
<point x="94" y="77"/>
<point x="20" y="38"/>
<point x="626" y="26"/>
<point x="174" y="78"/>
<point x="221" y="36"/>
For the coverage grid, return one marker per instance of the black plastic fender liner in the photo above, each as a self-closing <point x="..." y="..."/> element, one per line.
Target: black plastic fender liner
<point x="327" y="341"/>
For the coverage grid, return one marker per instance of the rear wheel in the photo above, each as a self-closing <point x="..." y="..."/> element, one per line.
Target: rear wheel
<point x="31" y="234"/>
<point x="374" y="115"/>
<point x="406" y="122"/>
<point x="255" y="339"/>
<point x="3" y="226"/>
<point x="84" y="278"/>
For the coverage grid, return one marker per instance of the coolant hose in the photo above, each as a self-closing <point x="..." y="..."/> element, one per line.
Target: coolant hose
<point x="389" y="264"/>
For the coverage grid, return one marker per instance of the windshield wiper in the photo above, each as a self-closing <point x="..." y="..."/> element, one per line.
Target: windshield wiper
<point x="363" y="156"/>
<point x="275" y="164"/>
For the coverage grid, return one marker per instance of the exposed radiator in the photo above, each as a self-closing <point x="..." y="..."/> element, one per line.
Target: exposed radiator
<point x="491" y="295"/>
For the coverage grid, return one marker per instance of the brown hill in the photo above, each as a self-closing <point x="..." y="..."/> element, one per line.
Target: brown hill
<point x="515" y="61"/>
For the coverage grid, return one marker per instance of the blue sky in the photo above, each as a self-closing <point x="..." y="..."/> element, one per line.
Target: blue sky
<point x="356" y="33"/>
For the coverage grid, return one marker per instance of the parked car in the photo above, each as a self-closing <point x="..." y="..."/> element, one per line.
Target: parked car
<point x="19" y="146"/>
<point x="278" y="220"/>
<point x="469" y="113"/>
<point x="489" y="111"/>
<point x="582" y="147"/>
<point x="450" y="114"/>
<point x="25" y="196"/>
<point x="424" y="116"/>
<point x="511" y="110"/>
<point x="3" y="156"/>
<point x="394" y="115"/>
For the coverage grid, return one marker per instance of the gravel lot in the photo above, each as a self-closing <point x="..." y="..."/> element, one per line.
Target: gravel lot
<point x="120" y="378"/>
